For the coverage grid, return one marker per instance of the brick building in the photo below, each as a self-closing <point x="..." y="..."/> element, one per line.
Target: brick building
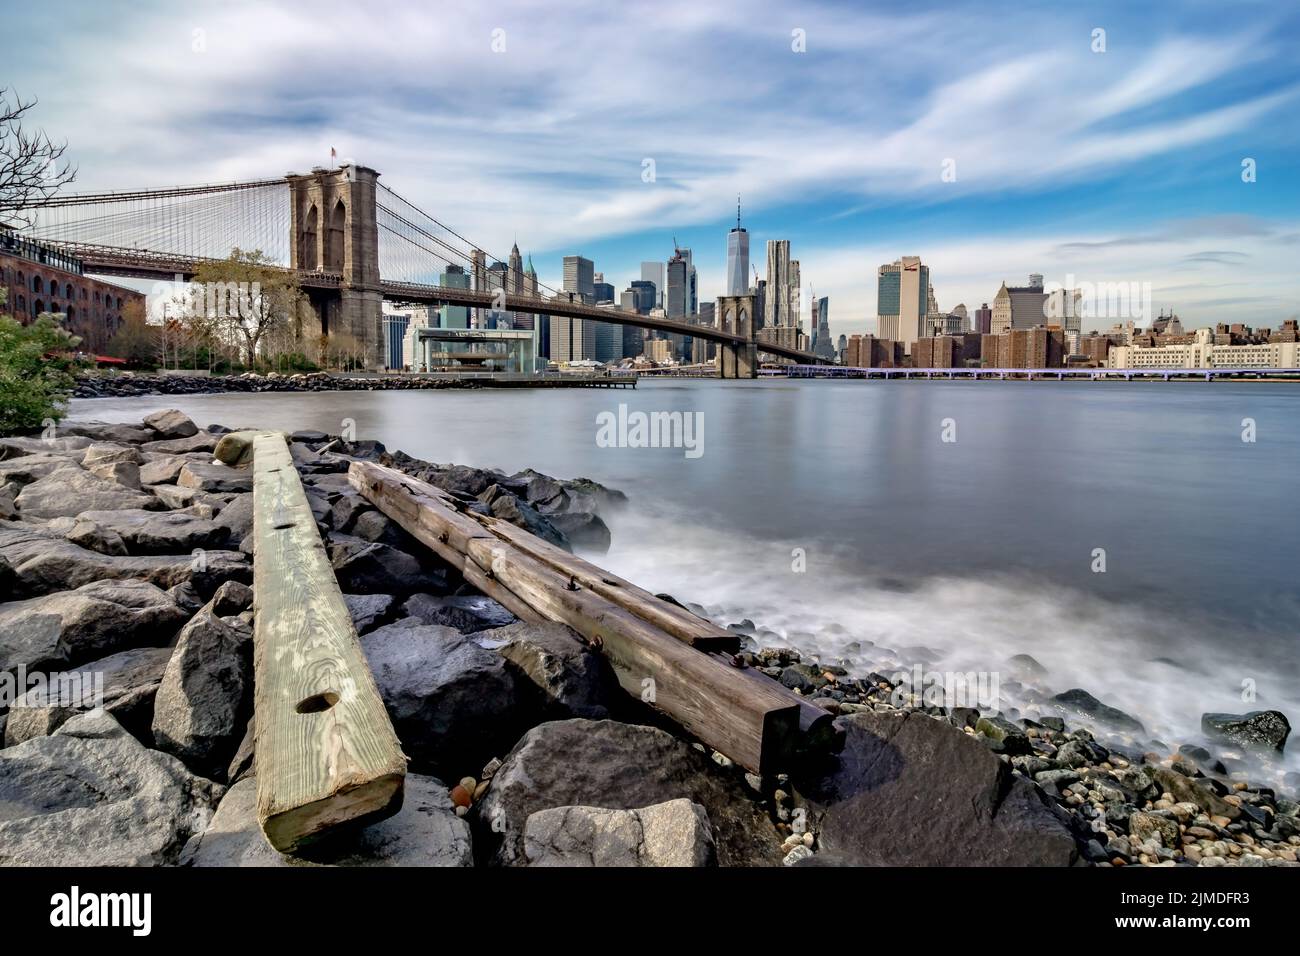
<point x="1041" y="347"/>
<point x="868" y="351"/>
<point x="42" y="279"/>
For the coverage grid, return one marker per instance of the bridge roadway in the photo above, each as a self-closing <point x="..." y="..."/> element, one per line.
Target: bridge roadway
<point x="145" y="264"/>
<point x="1057" y="374"/>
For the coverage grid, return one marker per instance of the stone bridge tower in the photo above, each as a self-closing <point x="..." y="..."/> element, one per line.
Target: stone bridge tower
<point x="735" y="314"/>
<point x="333" y="229"/>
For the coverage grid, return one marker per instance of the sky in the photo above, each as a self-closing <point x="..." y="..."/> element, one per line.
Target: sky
<point x="992" y="140"/>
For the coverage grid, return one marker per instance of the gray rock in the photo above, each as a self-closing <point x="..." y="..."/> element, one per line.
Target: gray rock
<point x="232" y="598"/>
<point x="369" y="610"/>
<point x="236" y="516"/>
<point x="90" y="794"/>
<point x="583" y="529"/>
<point x="159" y="532"/>
<point x="109" y="431"/>
<point x="203" y="441"/>
<point x="71" y="490"/>
<point x="213" y="477"/>
<point x="603" y="763"/>
<point x="244" y="762"/>
<point x="1188" y="790"/>
<point x="1258" y="730"/>
<point x="43" y="563"/>
<point x="346" y="509"/>
<point x="17" y="445"/>
<point x="86" y="533"/>
<point x="71" y="627"/>
<point x="466" y="613"/>
<point x="163" y="469"/>
<point x="205" y="700"/>
<point x="106" y="453"/>
<point x="364" y="567"/>
<point x="425" y="832"/>
<point x="674" y="833"/>
<point x="910" y="790"/>
<point x="509" y="507"/>
<point x="575" y="680"/>
<point x="171" y="423"/>
<point x="124" y="473"/>
<point x="128" y="680"/>
<point x="29" y="468"/>
<point x="1147" y="826"/>
<point x="1011" y="737"/>
<point x="453" y="704"/>
<point x="1080" y="702"/>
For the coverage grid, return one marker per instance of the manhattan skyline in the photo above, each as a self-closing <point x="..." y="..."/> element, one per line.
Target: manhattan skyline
<point x="1125" y="166"/>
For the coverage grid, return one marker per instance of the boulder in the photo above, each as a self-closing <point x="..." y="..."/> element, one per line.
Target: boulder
<point x="346" y="509"/>
<point x="234" y="448"/>
<point x="673" y="833"/>
<point x="369" y="610"/>
<point x="466" y="613"/>
<point x="1262" y="730"/>
<point x="236" y="516"/>
<point x="163" y="469"/>
<point x="124" y="473"/>
<point x="1010" y="738"/>
<point x="159" y="532"/>
<point x="203" y="441"/>
<point x="71" y="627"/>
<point x="232" y="598"/>
<point x="71" y="490"/>
<point x="1079" y="702"/>
<point x="127" y="681"/>
<point x="90" y="794"/>
<point x="1189" y="790"/>
<point x="43" y="563"/>
<point x="171" y="423"/>
<point x="16" y="472"/>
<point x="575" y="680"/>
<point x="603" y="763"/>
<point x="459" y="479"/>
<point x="120" y="432"/>
<point x="206" y="696"/>
<point x="1150" y="826"/>
<point x="18" y="445"/>
<point x="425" y="832"/>
<point x="583" y="529"/>
<point x="509" y="507"/>
<point x="364" y="567"/>
<point x="214" y="477"/>
<point x="105" y="453"/>
<point x="453" y="704"/>
<point x="87" y="533"/>
<point x="910" y="790"/>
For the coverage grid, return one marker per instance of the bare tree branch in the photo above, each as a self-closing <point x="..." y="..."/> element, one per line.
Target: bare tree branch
<point x="32" y="167"/>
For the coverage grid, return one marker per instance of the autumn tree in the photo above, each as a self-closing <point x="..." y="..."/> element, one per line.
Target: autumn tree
<point x="250" y="295"/>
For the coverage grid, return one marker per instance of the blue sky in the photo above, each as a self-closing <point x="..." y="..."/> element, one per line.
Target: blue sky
<point x="1122" y="165"/>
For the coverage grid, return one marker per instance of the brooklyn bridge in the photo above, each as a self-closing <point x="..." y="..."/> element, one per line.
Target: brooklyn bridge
<point x="353" y="244"/>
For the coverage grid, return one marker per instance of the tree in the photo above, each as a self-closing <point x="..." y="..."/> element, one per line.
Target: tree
<point x="36" y="371"/>
<point x="136" y="340"/>
<point x="31" y="164"/>
<point x="251" y="295"/>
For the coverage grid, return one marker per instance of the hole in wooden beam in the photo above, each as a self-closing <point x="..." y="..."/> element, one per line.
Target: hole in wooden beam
<point x="283" y="525"/>
<point x="317" y="703"/>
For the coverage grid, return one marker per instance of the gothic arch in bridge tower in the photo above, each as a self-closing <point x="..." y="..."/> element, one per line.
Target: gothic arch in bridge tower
<point x="310" y="236"/>
<point x="335" y="246"/>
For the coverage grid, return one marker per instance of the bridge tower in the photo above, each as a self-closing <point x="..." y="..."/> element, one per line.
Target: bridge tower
<point x="735" y="314"/>
<point x="333" y="229"/>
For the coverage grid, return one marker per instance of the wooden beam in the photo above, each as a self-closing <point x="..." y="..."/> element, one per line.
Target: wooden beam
<point x="754" y="722"/>
<point x="327" y="753"/>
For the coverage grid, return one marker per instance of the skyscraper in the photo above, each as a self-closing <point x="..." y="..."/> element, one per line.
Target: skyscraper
<point x="655" y="272"/>
<point x="580" y="277"/>
<point x="776" y="305"/>
<point x="454" y="316"/>
<point x="902" y="294"/>
<point x="478" y="274"/>
<point x="823" y="347"/>
<point x="737" y="257"/>
<point x="983" y="319"/>
<point x="603" y="291"/>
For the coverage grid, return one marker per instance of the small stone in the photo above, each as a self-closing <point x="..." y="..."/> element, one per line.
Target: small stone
<point x="461" y="796"/>
<point x="798" y="853"/>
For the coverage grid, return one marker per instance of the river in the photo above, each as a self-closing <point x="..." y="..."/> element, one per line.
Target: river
<point x="1123" y="534"/>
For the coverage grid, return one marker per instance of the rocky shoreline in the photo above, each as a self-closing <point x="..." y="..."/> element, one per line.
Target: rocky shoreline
<point x="125" y="553"/>
<point x="134" y="385"/>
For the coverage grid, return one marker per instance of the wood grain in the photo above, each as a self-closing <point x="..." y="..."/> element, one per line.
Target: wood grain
<point x="327" y="753"/>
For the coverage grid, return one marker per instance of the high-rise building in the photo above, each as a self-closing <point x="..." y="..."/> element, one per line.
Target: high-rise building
<point x="478" y="277"/>
<point x="1019" y="307"/>
<point x="738" y="257"/>
<point x="776" y="305"/>
<point x="655" y="273"/>
<point x="823" y="347"/>
<point x="983" y="319"/>
<point x="395" y="325"/>
<point x="454" y="316"/>
<point x="645" y="295"/>
<point x="602" y="291"/>
<point x="580" y="277"/>
<point x="902" y="294"/>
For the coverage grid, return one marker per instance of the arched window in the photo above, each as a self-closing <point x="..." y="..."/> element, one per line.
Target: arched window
<point x="72" y="314"/>
<point x="22" y="303"/>
<point x="70" y="293"/>
<point x="309" y="236"/>
<point x="54" y="288"/>
<point x="22" y="279"/>
<point x="96" y="297"/>
<point x="334" y="240"/>
<point x="37" y="284"/>
<point x="37" y="308"/>
<point x="119" y="303"/>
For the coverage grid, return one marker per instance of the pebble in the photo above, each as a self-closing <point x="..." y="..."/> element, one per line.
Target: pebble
<point x="798" y="853"/>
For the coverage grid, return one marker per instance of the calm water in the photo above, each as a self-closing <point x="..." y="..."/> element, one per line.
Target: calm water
<point x="975" y="549"/>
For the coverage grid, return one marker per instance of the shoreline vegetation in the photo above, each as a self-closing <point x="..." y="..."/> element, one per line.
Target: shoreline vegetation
<point x="125" y="554"/>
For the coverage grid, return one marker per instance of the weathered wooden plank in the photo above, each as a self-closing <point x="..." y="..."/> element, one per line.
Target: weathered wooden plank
<point x="327" y="753"/>
<point x="756" y="724"/>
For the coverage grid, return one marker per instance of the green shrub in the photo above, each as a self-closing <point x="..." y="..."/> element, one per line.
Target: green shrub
<point x="36" y="372"/>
